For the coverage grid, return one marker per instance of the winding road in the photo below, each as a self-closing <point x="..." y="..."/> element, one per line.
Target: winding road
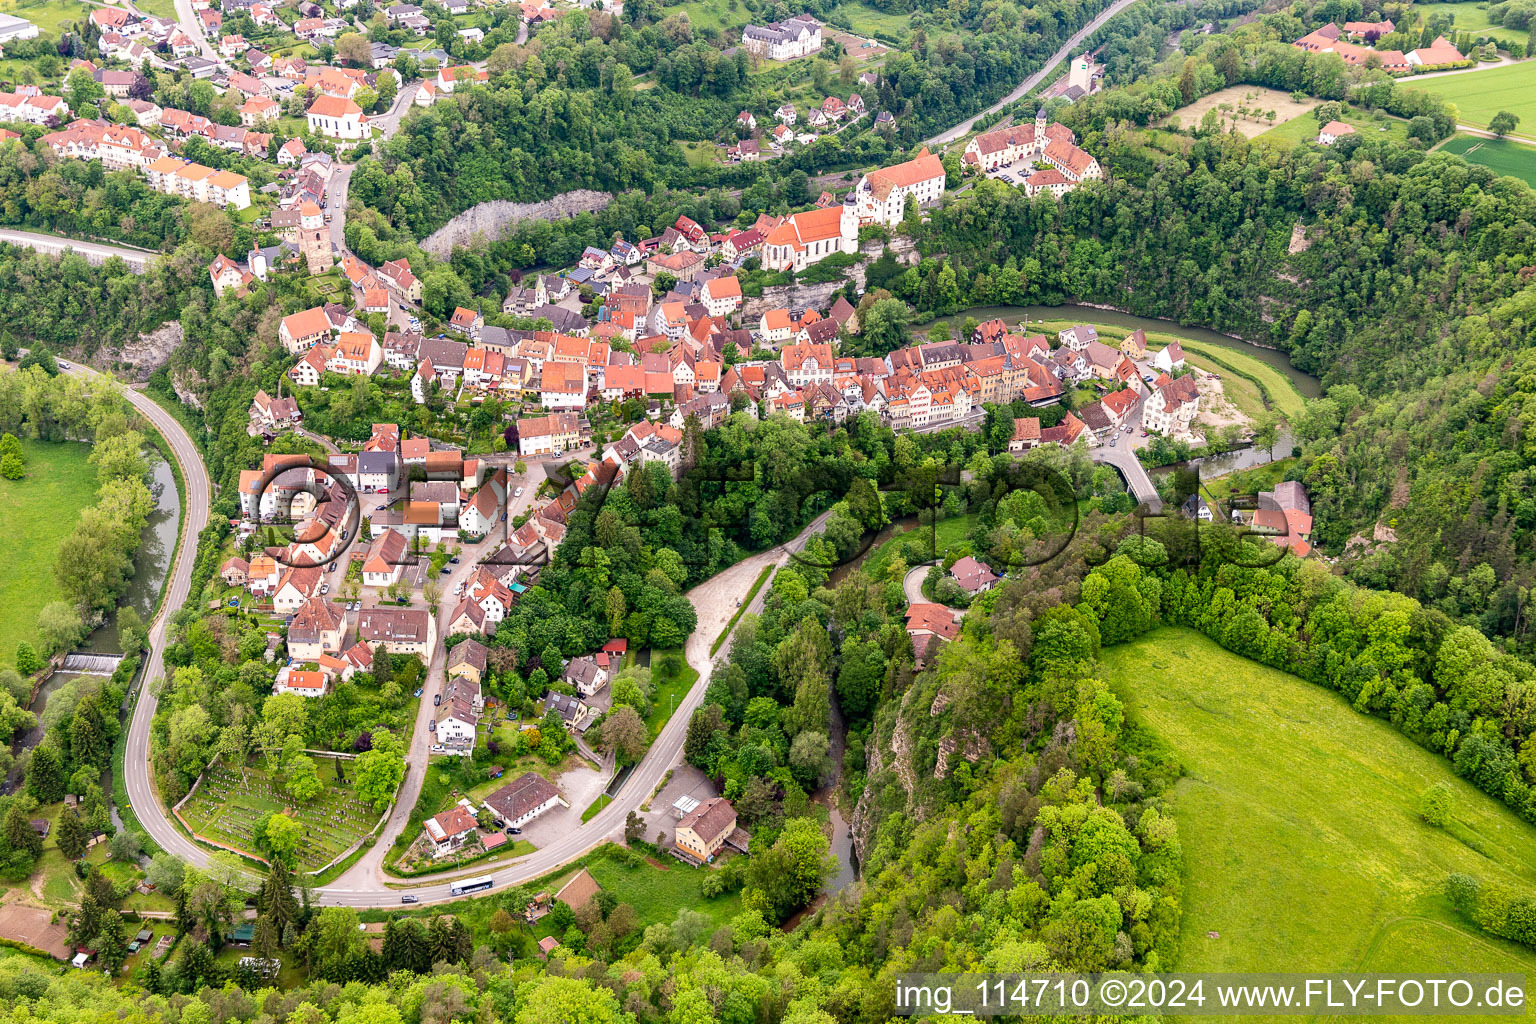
<point x="364" y="885"/>
<point x="195" y="507"/>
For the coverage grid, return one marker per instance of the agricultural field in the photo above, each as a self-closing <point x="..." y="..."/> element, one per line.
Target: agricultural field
<point x="1302" y="846"/>
<point x="36" y="514"/>
<point x="1502" y="156"/>
<point x="231" y="800"/>
<point x="1257" y="99"/>
<point x="1481" y="94"/>
<point x="1472" y="16"/>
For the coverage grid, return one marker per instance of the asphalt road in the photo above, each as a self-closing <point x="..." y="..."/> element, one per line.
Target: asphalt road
<point x="195" y="506"/>
<point x="137" y="259"/>
<point x="1071" y="47"/>
<point x="186" y="17"/>
<point x="715" y="602"/>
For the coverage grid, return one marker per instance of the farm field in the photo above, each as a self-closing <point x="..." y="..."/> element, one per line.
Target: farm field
<point x="230" y="801"/>
<point x="1480" y="95"/>
<point x="1472" y="16"/>
<point x="1251" y="96"/>
<point x="1502" y="156"/>
<point x="36" y="514"/>
<point x="1302" y="848"/>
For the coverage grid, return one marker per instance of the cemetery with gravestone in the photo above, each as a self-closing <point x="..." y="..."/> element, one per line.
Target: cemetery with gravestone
<point x="232" y="800"/>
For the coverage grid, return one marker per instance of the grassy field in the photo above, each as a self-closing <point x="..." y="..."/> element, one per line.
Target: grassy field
<point x="36" y="514"/>
<point x="670" y="688"/>
<point x="1304" y="129"/>
<point x="724" y="15"/>
<point x="1502" y="156"/>
<point x="50" y="16"/>
<point x="231" y="801"/>
<point x="658" y="893"/>
<point x="948" y="533"/>
<point x="1472" y="16"/>
<point x="1255" y="98"/>
<point x="700" y="154"/>
<point x="1302" y="848"/>
<point x="1480" y="95"/>
<point x="870" y="21"/>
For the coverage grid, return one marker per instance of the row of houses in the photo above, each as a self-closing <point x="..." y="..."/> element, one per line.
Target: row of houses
<point x="1330" y="39"/>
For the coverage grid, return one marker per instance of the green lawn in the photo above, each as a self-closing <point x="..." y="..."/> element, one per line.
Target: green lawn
<point x="1472" y="16"/>
<point x="36" y="514"/>
<point x="1302" y="849"/>
<point x="870" y="21"/>
<point x="1502" y="156"/>
<point x="230" y="801"/>
<point x="700" y="154"/>
<point x="50" y="16"/>
<point x="947" y="534"/>
<point x="657" y="894"/>
<point x="159" y="8"/>
<point x="669" y="689"/>
<point x="1305" y="127"/>
<point x="1481" y="94"/>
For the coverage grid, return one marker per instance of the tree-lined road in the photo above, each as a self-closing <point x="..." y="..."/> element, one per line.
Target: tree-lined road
<point x="1071" y="46"/>
<point x="138" y="260"/>
<point x="715" y="602"/>
<point x="195" y="507"/>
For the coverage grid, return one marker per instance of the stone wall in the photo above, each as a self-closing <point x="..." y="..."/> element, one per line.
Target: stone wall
<point x="495" y="219"/>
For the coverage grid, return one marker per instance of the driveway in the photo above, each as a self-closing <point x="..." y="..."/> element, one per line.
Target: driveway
<point x="578" y="787"/>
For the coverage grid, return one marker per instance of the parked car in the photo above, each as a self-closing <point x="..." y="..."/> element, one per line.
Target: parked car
<point x="325" y="588"/>
<point x="444" y="571"/>
<point x="419" y="691"/>
<point x="517" y="493"/>
<point x="61" y="364"/>
<point x="454" y="559"/>
<point x="330" y="567"/>
<point x="511" y="831"/>
<point x="437" y="699"/>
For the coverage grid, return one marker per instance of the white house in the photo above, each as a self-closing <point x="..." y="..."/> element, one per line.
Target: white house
<point x="881" y="196"/>
<point x="783" y="40"/>
<point x="337" y="117"/>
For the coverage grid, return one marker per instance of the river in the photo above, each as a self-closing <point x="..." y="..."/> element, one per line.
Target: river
<point x="1305" y="383"/>
<point x="152" y="565"/>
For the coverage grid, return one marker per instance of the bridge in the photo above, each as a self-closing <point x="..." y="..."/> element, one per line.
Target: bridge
<point x="90" y="664"/>
<point x="1133" y="473"/>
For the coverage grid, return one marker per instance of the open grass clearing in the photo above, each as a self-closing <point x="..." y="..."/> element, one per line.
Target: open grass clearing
<point x="50" y="16"/>
<point x="1472" y="16"/>
<point x="670" y="687"/>
<point x="1302" y="847"/>
<point x="890" y="26"/>
<point x="658" y="893"/>
<point x="1370" y="125"/>
<point x="36" y="513"/>
<point x="1501" y="156"/>
<point x="1257" y="99"/>
<point x="922" y="544"/>
<point x="1479" y="95"/>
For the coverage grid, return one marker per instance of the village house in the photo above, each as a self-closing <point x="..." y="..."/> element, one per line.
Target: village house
<point x="1172" y="406"/>
<point x="447" y="832"/>
<point x="400" y="630"/>
<point x="316" y="630"/>
<point x="522" y="800"/>
<point x="707" y="828"/>
<point x="881" y="196"/>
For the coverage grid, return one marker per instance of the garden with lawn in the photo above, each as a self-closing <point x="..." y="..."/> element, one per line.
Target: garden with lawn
<point x="232" y="803"/>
